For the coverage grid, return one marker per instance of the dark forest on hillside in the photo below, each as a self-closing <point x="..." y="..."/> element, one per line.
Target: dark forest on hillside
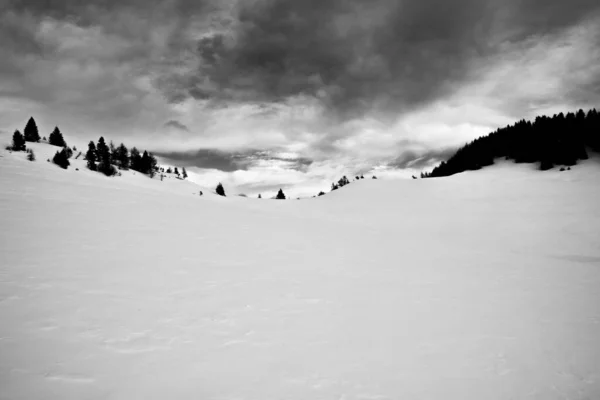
<point x="549" y="141"/>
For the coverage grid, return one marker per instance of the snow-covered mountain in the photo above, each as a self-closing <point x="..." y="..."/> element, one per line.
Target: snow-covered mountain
<point x="483" y="285"/>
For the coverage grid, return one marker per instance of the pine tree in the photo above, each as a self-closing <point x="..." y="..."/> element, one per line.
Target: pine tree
<point x="259" y="196"/>
<point x="280" y="195"/>
<point x="56" y="138"/>
<point x="169" y="170"/>
<point x="184" y="173"/>
<point x="103" y="156"/>
<point x="176" y="171"/>
<point x="145" y="163"/>
<point x="122" y="156"/>
<point x="135" y="160"/>
<point x="220" y="190"/>
<point x="321" y="193"/>
<point x="30" y="155"/>
<point x="31" y="132"/>
<point x="61" y="159"/>
<point x="18" y="141"/>
<point x="90" y="156"/>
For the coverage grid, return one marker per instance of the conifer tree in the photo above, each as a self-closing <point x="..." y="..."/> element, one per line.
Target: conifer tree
<point x="18" y="141"/>
<point x="122" y="156"/>
<point x="176" y="171"/>
<point x="30" y="155"/>
<point x="280" y="195"/>
<point x="135" y="160"/>
<point x="103" y="156"/>
<point x="31" y="132"/>
<point x="220" y="190"/>
<point x="184" y="173"/>
<point x="148" y="164"/>
<point x="56" y="138"/>
<point x="61" y="159"/>
<point x="90" y="156"/>
<point x="259" y="196"/>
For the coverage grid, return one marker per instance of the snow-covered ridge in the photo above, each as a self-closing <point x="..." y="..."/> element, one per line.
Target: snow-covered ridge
<point x="483" y="285"/>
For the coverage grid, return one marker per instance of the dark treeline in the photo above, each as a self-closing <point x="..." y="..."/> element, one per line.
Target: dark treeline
<point x="101" y="157"/>
<point x="107" y="158"/>
<point x="549" y="141"/>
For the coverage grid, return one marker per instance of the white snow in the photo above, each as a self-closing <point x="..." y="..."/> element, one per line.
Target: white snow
<point x="484" y="285"/>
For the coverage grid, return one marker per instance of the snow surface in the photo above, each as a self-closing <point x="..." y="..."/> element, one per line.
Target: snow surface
<point x="484" y="285"/>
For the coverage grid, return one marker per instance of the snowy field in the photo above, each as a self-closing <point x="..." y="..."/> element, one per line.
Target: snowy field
<point x="484" y="285"/>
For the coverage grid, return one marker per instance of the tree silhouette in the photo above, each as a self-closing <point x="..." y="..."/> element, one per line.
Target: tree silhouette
<point x="90" y="156"/>
<point x="56" y="138"/>
<point x="18" y="141"/>
<point x="220" y="190"/>
<point x="184" y="173"/>
<point x="280" y="195"/>
<point x="31" y="132"/>
<point x="61" y="159"/>
<point x="135" y="160"/>
<point x="122" y="156"/>
<point x="103" y="156"/>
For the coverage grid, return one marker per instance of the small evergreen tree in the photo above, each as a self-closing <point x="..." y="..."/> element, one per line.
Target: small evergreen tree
<point x="31" y="132"/>
<point x="56" y="138"/>
<point x="30" y="155"/>
<point x="169" y="171"/>
<point x="220" y="190"/>
<point x="122" y="156"/>
<point x="280" y="195"/>
<point x="102" y="151"/>
<point x="374" y="177"/>
<point x="61" y="159"/>
<point x="259" y="196"/>
<point x="18" y="141"/>
<point x="135" y="160"/>
<point x="176" y="171"/>
<point x="321" y="193"/>
<point x="184" y="173"/>
<point x="90" y="156"/>
<point x="103" y="156"/>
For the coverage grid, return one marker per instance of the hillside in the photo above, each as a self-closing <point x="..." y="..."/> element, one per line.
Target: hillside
<point x="483" y="285"/>
<point x="560" y="140"/>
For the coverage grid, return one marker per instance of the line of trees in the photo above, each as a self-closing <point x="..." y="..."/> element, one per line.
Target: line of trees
<point x="549" y="141"/>
<point x="107" y="158"/>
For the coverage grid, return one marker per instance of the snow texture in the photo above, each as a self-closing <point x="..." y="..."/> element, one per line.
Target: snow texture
<point x="484" y="285"/>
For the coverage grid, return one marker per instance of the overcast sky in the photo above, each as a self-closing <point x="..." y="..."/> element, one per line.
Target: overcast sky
<point x="262" y="94"/>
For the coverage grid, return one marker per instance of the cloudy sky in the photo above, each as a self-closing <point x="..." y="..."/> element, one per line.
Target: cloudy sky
<point x="262" y="94"/>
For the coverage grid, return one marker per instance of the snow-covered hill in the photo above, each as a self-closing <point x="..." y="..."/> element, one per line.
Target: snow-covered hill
<point x="483" y="285"/>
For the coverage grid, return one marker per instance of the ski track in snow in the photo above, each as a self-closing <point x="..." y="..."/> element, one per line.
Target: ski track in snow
<point x="483" y="285"/>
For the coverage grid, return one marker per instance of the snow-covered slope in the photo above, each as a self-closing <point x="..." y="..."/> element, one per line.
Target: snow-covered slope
<point x="484" y="285"/>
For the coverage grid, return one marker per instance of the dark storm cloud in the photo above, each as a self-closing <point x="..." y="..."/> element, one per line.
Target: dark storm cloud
<point x="86" y="12"/>
<point x="353" y="55"/>
<point x="177" y="125"/>
<point x="231" y="161"/>
<point x="207" y="158"/>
